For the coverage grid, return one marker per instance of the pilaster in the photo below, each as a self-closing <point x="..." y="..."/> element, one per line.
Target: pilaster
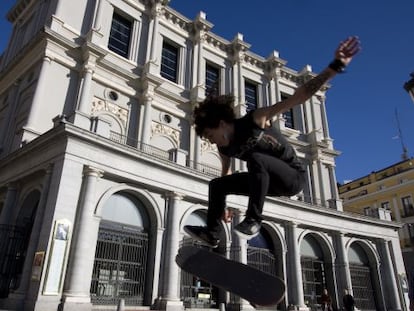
<point x="38" y="102"/>
<point x="242" y="256"/>
<point x="295" y="281"/>
<point x="76" y="295"/>
<point x="170" y="291"/>
<point x="237" y="49"/>
<point x="342" y="264"/>
<point x="11" y="108"/>
<point x="389" y="276"/>
<point x="152" y="63"/>
<point x="9" y="203"/>
<point x="146" y="124"/>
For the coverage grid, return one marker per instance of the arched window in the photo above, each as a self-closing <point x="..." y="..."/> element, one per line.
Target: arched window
<point x="260" y="253"/>
<point x="198" y="218"/>
<point x="23" y="230"/>
<point x="361" y="278"/>
<point x="125" y="209"/>
<point x="121" y="255"/>
<point x="195" y="292"/>
<point x="313" y="270"/>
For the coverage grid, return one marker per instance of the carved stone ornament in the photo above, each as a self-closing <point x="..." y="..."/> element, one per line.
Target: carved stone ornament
<point x="99" y="105"/>
<point x="162" y="129"/>
<point x="206" y="146"/>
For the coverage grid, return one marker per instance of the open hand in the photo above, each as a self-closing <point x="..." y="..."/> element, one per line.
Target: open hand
<point x="347" y="49"/>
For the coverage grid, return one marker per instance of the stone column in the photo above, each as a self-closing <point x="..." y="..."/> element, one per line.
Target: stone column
<point x="201" y="70"/>
<point x="146" y="122"/>
<point x="396" y="208"/>
<point x="199" y="28"/>
<point x="171" y="290"/>
<point x="36" y="108"/>
<point x="76" y="295"/>
<point x="81" y="116"/>
<point x="314" y="123"/>
<point x="97" y="22"/>
<point x="242" y="256"/>
<point x="12" y="104"/>
<point x="342" y="264"/>
<point x="235" y="78"/>
<point x="95" y="34"/>
<point x="240" y="242"/>
<point x="134" y="42"/>
<point x="152" y="50"/>
<point x="321" y="194"/>
<point x="325" y="126"/>
<point x="155" y="25"/>
<point x="295" y="286"/>
<point x="273" y="96"/>
<point x="9" y="203"/>
<point x="388" y="276"/>
<point x="84" y="96"/>
<point x="197" y="149"/>
<point x="240" y="81"/>
<point x="335" y="201"/>
<point x="195" y="62"/>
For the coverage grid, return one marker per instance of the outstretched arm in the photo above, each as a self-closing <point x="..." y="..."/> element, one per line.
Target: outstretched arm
<point x="346" y="50"/>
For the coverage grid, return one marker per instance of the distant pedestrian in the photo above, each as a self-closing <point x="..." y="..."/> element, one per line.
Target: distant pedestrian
<point x="348" y="300"/>
<point x="326" y="301"/>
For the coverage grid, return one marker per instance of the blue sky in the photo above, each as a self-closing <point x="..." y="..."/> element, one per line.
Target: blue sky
<point x="361" y="103"/>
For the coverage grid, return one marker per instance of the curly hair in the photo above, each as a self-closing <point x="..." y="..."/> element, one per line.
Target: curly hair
<point x="211" y="111"/>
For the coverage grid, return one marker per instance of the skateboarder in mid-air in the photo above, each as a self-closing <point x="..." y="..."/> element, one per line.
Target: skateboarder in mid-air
<point x="273" y="167"/>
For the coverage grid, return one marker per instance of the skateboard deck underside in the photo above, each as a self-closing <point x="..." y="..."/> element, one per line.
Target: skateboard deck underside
<point x="255" y="286"/>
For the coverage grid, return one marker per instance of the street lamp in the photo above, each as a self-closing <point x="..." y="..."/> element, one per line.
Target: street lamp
<point x="409" y="86"/>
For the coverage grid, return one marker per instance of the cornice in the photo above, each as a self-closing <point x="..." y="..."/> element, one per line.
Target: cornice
<point x="20" y="8"/>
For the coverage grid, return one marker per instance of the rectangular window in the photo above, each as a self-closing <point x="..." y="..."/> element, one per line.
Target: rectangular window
<point x="368" y="211"/>
<point x="169" y="62"/>
<point x="120" y="35"/>
<point x="407" y="203"/>
<point x="288" y="116"/>
<point x="212" y="80"/>
<point x="250" y="94"/>
<point x="385" y="205"/>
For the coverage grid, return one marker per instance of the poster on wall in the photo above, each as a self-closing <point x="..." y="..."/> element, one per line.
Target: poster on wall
<point x="57" y="258"/>
<point x="37" y="266"/>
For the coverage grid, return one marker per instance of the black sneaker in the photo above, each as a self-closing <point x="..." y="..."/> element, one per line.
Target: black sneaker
<point x="203" y="235"/>
<point x="248" y="228"/>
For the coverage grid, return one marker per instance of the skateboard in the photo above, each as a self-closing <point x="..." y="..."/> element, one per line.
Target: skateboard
<point x="255" y="286"/>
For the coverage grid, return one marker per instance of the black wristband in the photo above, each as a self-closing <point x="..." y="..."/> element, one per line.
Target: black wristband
<point x="337" y="65"/>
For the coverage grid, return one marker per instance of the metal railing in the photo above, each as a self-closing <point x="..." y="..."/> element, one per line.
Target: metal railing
<point x="202" y="168"/>
<point x="162" y="154"/>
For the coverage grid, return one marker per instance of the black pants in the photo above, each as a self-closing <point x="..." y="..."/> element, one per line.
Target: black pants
<point x="266" y="175"/>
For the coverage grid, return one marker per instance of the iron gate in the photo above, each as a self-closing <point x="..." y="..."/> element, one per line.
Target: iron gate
<point x="120" y="265"/>
<point x="261" y="259"/>
<point x="314" y="280"/>
<point x="12" y="254"/>
<point x="194" y="292"/>
<point x="362" y="287"/>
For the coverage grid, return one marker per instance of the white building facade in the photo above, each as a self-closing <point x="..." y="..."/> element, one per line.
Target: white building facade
<point x="100" y="167"/>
